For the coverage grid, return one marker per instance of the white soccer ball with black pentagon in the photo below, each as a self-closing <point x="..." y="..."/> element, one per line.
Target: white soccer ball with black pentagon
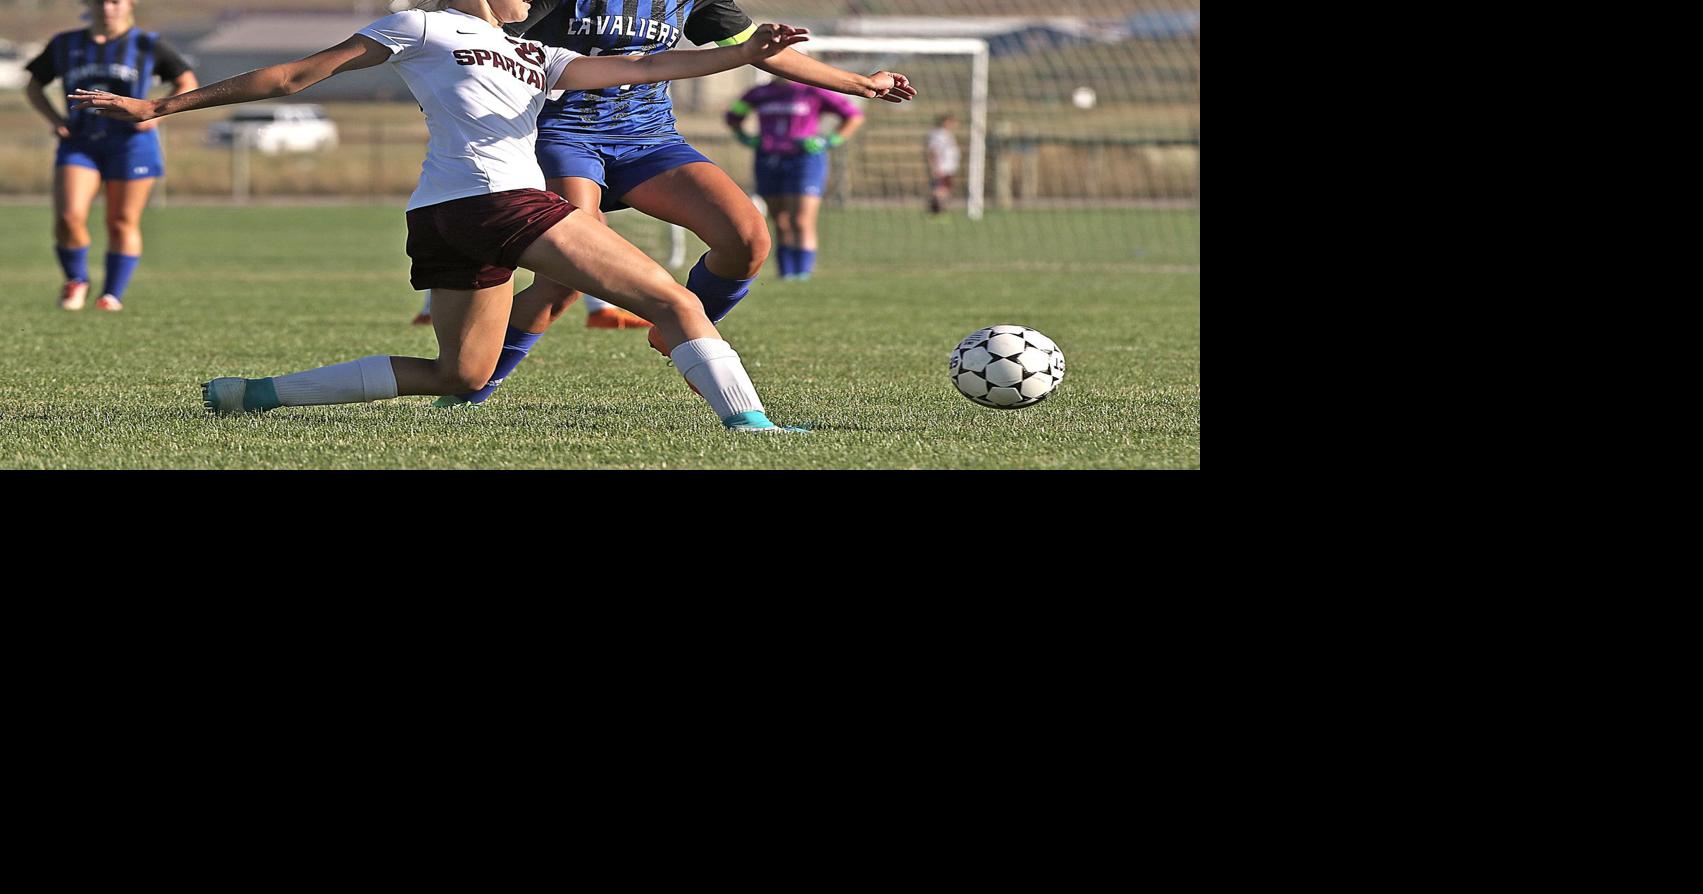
<point x="1006" y="367"/>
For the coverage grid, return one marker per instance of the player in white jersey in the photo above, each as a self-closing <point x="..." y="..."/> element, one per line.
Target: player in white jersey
<point x="481" y="209"/>
<point x="941" y="152"/>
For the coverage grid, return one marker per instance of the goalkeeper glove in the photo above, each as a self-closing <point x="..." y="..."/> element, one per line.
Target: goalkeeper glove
<point x="819" y="145"/>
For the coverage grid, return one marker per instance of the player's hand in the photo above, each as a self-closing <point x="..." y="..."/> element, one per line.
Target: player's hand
<point x="892" y="86"/>
<point x="751" y="139"/>
<point x="62" y="131"/>
<point x="819" y="145"/>
<point x="148" y="125"/>
<point x="111" y="105"/>
<point x="771" y="39"/>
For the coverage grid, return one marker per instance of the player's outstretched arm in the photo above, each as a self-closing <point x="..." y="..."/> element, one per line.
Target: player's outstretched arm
<point x="182" y="84"/>
<point x="887" y="85"/>
<point x="597" y="72"/>
<point x="285" y="79"/>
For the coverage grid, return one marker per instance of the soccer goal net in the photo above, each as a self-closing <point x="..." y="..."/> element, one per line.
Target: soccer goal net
<point x="1076" y="131"/>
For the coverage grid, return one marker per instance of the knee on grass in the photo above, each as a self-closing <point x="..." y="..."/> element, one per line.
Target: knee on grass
<point x="464" y="377"/>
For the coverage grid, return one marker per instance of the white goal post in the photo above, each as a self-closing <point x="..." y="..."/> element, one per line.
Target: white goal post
<point x="977" y="49"/>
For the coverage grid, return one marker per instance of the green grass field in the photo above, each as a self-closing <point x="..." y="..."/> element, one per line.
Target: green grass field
<point x="859" y="353"/>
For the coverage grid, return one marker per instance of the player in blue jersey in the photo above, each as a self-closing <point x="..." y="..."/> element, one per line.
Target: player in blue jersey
<point x="112" y="54"/>
<point x="618" y="148"/>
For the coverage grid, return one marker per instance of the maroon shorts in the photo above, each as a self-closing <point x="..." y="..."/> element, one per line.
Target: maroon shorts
<point x="476" y="242"/>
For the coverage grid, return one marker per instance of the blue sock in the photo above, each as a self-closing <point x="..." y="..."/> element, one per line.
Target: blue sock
<point x="784" y="253"/>
<point x="806" y="262"/>
<point x="75" y="262"/>
<point x="516" y="344"/>
<point x="716" y="294"/>
<point x="118" y="271"/>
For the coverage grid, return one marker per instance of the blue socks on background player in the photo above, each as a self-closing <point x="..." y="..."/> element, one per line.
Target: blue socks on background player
<point x="75" y="263"/>
<point x="718" y="295"/>
<point x="796" y="262"/>
<point x="119" y="268"/>
<point x="516" y="344"/>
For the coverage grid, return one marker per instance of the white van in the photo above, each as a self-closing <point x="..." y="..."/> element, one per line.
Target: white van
<point x="273" y="128"/>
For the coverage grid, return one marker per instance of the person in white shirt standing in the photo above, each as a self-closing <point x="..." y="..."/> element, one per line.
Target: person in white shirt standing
<point x="942" y="155"/>
<point x="481" y="209"/>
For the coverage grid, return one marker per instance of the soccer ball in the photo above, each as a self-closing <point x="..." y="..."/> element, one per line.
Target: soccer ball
<point x="1006" y="367"/>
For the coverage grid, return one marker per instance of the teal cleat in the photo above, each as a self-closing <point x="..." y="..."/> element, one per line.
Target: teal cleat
<point x="232" y="396"/>
<point x="756" y="421"/>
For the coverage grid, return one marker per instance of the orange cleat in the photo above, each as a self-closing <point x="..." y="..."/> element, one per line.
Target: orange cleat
<point x="422" y="319"/>
<point x="615" y="318"/>
<point x="109" y="303"/>
<point x="72" y="297"/>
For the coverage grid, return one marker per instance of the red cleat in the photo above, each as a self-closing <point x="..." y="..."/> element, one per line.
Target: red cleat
<point x="422" y="319"/>
<point x="72" y="297"/>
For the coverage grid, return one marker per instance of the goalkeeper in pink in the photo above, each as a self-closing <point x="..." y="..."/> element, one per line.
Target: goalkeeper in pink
<point x="792" y="160"/>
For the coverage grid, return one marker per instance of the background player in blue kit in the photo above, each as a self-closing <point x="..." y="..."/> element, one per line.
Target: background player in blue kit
<point x="111" y="55"/>
<point x="618" y="148"/>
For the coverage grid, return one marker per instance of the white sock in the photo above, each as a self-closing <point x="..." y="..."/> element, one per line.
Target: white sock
<point x="427" y="307"/>
<point x="595" y="304"/>
<point x="712" y="366"/>
<point x="358" y="381"/>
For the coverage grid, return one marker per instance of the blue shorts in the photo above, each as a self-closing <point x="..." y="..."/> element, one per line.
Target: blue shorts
<point x="116" y="156"/>
<point x="791" y="175"/>
<point x="617" y="167"/>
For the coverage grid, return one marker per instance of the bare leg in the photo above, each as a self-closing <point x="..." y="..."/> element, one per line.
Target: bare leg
<point x="470" y="326"/>
<point x="784" y="212"/>
<point x="74" y="191"/>
<point x="582" y="253"/>
<point x="703" y="199"/>
<point x="808" y="209"/>
<point x="125" y="200"/>
<point x="541" y="304"/>
<point x="470" y="336"/>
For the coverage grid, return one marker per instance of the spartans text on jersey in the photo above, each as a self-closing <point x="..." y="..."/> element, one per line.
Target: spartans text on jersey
<point x="532" y="76"/>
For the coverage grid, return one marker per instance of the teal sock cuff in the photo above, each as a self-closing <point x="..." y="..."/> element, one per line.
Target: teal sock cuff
<point x="260" y="395"/>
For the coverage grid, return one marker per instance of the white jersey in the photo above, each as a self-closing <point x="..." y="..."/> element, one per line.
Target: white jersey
<point x="942" y="151"/>
<point x="481" y="91"/>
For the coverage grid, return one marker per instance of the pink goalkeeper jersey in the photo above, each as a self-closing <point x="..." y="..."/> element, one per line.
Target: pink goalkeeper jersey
<point x="788" y="112"/>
